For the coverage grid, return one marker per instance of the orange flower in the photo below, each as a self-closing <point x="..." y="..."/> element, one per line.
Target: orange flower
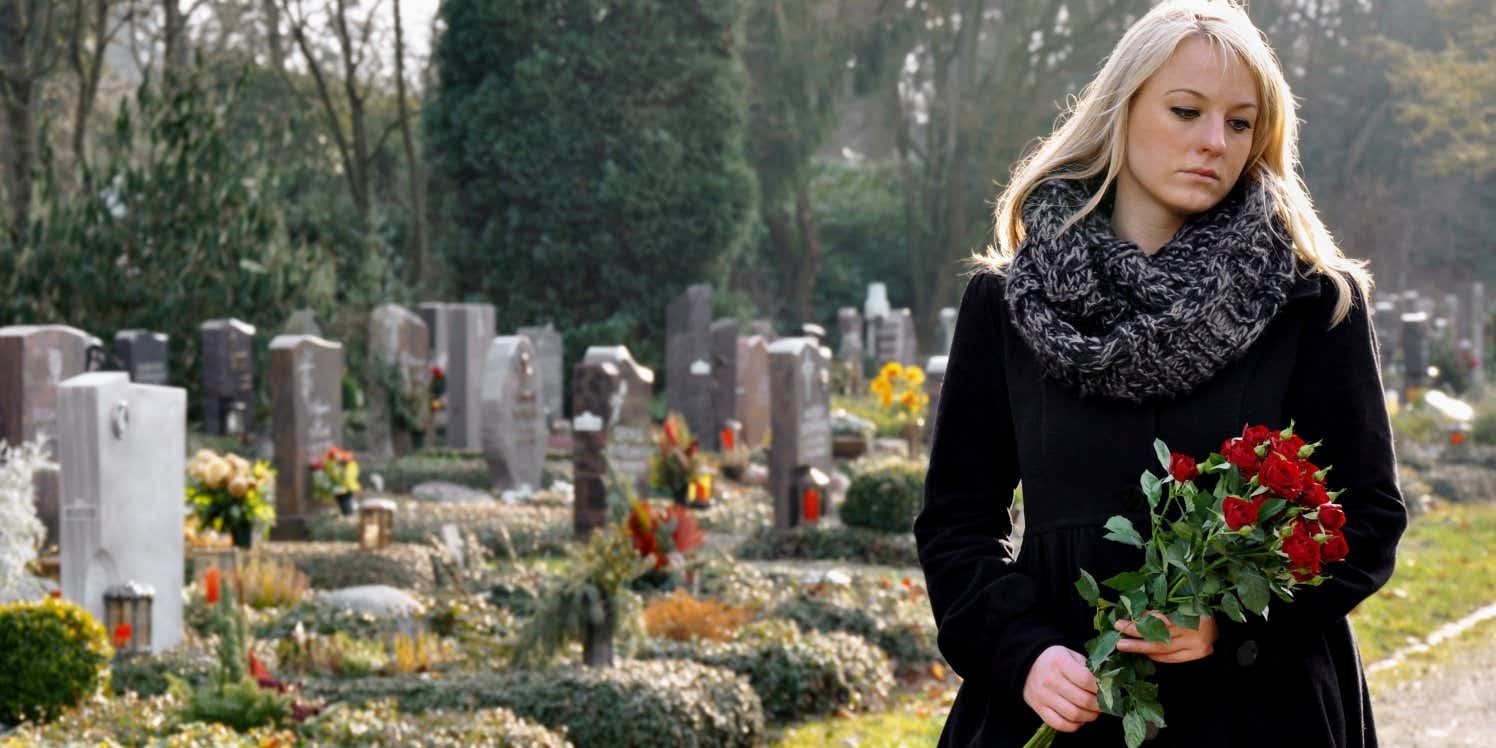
<point x="122" y="634"/>
<point x="727" y="439"/>
<point x="211" y="581"/>
<point x="1457" y="438"/>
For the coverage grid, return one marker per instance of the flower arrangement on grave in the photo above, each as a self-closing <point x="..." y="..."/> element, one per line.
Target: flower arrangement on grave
<point x="335" y="478"/>
<point x="1266" y="526"/>
<point x="438" y="388"/>
<point x="663" y="534"/>
<point x="227" y="494"/>
<point x="677" y="466"/>
<point x="900" y="392"/>
<point x="408" y="407"/>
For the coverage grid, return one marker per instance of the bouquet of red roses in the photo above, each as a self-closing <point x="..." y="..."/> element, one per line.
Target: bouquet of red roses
<point x="1267" y="525"/>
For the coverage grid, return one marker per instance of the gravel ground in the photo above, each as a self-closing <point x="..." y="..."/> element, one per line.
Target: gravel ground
<point x="1453" y="704"/>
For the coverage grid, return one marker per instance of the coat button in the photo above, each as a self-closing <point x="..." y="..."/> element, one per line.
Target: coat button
<point x="1246" y="654"/>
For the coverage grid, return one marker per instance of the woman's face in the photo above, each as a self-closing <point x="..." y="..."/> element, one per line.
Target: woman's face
<point x="1189" y="132"/>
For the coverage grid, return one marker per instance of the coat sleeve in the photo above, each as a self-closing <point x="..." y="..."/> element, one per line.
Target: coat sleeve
<point x="991" y="625"/>
<point x="1336" y="396"/>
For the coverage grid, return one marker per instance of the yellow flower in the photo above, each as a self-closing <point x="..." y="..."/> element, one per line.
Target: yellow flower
<point x="908" y="399"/>
<point x="885" y="398"/>
<point x="891" y="370"/>
<point x="880" y="386"/>
<point x="915" y="375"/>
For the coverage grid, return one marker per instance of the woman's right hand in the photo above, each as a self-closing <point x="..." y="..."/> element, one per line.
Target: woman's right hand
<point x="1061" y="689"/>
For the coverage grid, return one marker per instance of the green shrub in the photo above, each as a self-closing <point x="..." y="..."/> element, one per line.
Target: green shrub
<point x="243" y="705"/>
<point x="53" y="654"/>
<point x="852" y="544"/>
<point x="465" y="468"/>
<point x="129" y="720"/>
<point x="911" y="644"/>
<point x="355" y="568"/>
<point x="380" y="724"/>
<point x="1418" y="425"/>
<point x="796" y="673"/>
<point x="885" y="421"/>
<point x="317" y="617"/>
<point x="1483" y="431"/>
<point x="886" y="498"/>
<point x="674" y="703"/>
<point x="145" y="675"/>
<point x="523" y="530"/>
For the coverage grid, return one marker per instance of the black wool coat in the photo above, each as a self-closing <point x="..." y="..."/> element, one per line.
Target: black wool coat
<point x="1294" y="680"/>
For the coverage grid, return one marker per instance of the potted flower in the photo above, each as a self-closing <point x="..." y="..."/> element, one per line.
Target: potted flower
<point x="227" y="494"/>
<point x="676" y="466"/>
<point x="335" y="477"/>
<point x="898" y="388"/>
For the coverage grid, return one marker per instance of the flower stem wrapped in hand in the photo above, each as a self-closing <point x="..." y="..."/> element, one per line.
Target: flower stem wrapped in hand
<point x="1267" y="525"/>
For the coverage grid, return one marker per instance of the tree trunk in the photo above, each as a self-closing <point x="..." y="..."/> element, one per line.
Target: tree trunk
<point x="810" y="256"/>
<point x="88" y="66"/>
<point x="174" y="38"/>
<point x="420" y="262"/>
<point x="273" y="35"/>
<point x="20" y="156"/>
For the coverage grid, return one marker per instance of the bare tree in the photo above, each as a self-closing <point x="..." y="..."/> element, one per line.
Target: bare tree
<point x="414" y="171"/>
<point x="27" y="54"/>
<point x="94" y="27"/>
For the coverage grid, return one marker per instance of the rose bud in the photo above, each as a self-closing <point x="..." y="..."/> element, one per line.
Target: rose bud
<point x="1331" y="517"/>
<point x="1183" y="468"/>
<point x="1281" y="476"/>
<point x="1335" y="548"/>
<point x="1287" y="447"/>
<point x="1239" y="512"/>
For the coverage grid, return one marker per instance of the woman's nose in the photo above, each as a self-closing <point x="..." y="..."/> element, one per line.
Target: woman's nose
<point x="1213" y="137"/>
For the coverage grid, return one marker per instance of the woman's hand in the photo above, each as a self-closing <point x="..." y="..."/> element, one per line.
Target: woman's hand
<point x="1061" y="689"/>
<point x="1184" y="644"/>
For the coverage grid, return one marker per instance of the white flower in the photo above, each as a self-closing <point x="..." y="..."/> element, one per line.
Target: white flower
<point x="21" y="533"/>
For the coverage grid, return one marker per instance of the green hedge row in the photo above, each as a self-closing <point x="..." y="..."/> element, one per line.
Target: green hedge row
<point x="528" y="530"/>
<point x="851" y="544"/>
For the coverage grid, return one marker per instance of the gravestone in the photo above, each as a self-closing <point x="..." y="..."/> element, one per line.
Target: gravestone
<point x="549" y="353"/>
<point x="688" y="361"/>
<point x="144" y="354"/>
<point x="228" y="377"/>
<point x="1415" y="339"/>
<point x="874" y="307"/>
<point x="306" y="395"/>
<point x="849" y="351"/>
<point x="399" y="349"/>
<point x="1479" y="318"/>
<point x="726" y="390"/>
<point x="934" y="378"/>
<point x="34" y="360"/>
<point x="1388" y="324"/>
<point x="763" y="328"/>
<point x="610" y="429"/>
<point x="753" y="390"/>
<point x="800" y="386"/>
<point x="892" y="337"/>
<point x="121" y="450"/>
<point x="302" y="322"/>
<point x="947" y="328"/>
<point x="460" y="336"/>
<point x="513" y="414"/>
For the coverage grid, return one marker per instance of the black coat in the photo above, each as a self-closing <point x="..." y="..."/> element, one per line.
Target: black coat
<point x="1294" y="681"/>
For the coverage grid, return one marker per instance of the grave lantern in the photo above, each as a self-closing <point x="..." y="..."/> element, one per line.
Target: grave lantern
<point x="127" y="616"/>
<point x="812" y="492"/>
<point x="376" y="523"/>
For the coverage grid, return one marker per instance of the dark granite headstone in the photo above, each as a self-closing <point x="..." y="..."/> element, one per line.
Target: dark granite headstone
<point x="688" y="357"/>
<point x="513" y="414"/>
<point x="399" y="349"/>
<point x="725" y="387"/>
<point x="1415" y="338"/>
<point x="144" y="354"/>
<point x="549" y="352"/>
<point x="34" y="360"/>
<point x="228" y="376"/>
<point x="460" y="336"/>
<point x="800" y="385"/>
<point x="610" y="430"/>
<point x="306" y="394"/>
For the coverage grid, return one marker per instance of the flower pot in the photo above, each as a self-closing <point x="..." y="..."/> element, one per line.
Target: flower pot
<point x="345" y="502"/>
<point x="597" y="641"/>
<point x="848" y="447"/>
<point x="244" y="536"/>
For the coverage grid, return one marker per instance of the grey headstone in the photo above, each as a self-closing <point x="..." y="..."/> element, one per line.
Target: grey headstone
<point x="800" y="385"/>
<point x="306" y="394"/>
<point x="610" y="429"/>
<point x="228" y="376"/>
<point x="850" y="351"/>
<point x="378" y="600"/>
<point x="549" y="353"/>
<point x="34" y="360"/>
<point x="1415" y="336"/>
<point x="121" y="450"/>
<point x="513" y="414"/>
<point x="145" y="354"/>
<point x="763" y="328"/>
<point x="934" y="378"/>
<point x="460" y="335"/>
<point x="1480" y="317"/>
<point x="874" y="307"/>
<point x="947" y="327"/>
<point x="688" y="361"/>
<point x="726" y="390"/>
<point x="302" y="322"/>
<point x="398" y="340"/>
<point x="753" y="390"/>
<point x="894" y="338"/>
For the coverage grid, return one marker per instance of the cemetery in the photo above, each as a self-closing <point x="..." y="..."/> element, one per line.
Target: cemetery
<point x="472" y="372"/>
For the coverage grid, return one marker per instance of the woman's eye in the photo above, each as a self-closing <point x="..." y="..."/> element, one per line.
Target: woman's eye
<point x="1185" y="112"/>
<point x="1240" y="125"/>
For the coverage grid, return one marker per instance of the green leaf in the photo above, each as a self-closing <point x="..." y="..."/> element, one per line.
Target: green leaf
<point x="1162" y="450"/>
<point x="1086" y="585"/>
<point x="1232" y="608"/>
<point x="1127" y="581"/>
<point x="1105" y="645"/>
<point x="1270" y="508"/>
<point x="1158" y="592"/>
<point x="1152" y="711"/>
<point x="1152" y="488"/>
<point x="1108" y="695"/>
<point x="1252" y="588"/>
<point x="1123" y="532"/>
<point x="1134" y="729"/>
<point x="1135" y="602"/>
<point x="1152" y="629"/>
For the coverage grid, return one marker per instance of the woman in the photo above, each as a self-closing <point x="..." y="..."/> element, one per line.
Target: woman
<point x="1159" y="271"/>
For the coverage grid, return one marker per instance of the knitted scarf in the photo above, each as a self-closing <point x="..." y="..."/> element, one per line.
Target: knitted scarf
<point x="1110" y="321"/>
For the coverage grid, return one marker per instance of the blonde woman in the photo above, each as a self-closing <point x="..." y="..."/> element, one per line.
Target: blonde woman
<point x="1158" y="272"/>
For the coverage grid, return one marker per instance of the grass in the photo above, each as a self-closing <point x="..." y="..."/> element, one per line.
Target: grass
<point x="914" y="719"/>
<point x="1445" y="570"/>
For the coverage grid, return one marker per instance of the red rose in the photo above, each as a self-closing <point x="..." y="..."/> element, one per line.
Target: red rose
<point x="1314" y="495"/>
<point x="1281" y="476"/>
<point x="1331" y="517"/>
<point x="1183" y="468"/>
<point x="1303" y="527"/>
<point x="1335" y="549"/>
<point x="1239" y="512"/>
<point x="1288" y="447"/>
<point x="1255" y="435"/>
<point x="1303" y="551"/>
<point x="1307" y="469"/>
<point x="1239" y="453"/>
<point x="437" y="373"/>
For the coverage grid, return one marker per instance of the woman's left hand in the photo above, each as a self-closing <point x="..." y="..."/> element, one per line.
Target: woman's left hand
<point x="1184" y="644"/>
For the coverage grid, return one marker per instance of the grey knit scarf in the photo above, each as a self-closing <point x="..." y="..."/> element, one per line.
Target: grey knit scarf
<point x="1109" y="321"/>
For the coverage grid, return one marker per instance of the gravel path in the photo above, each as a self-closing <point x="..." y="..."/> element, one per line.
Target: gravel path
<point x="1453" y="704"/>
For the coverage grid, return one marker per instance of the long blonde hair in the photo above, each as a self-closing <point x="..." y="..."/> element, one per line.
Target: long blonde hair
<point x="1092" y="134"/>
